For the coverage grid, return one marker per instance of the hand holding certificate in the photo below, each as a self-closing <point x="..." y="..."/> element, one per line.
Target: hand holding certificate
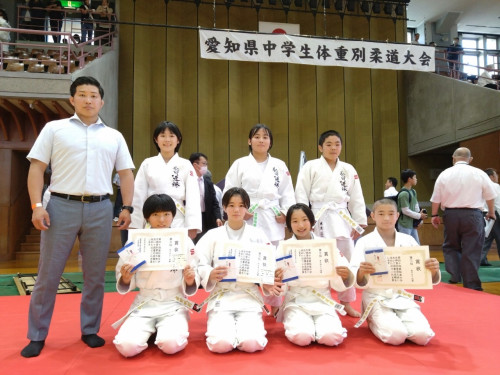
<point x="406" y="268"/>
<point x="246" y="262"/>
<point x="162" y="249"/>
<point x="313" y="259"/>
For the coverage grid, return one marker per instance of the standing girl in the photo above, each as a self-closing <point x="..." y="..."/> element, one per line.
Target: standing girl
<point x="170" y="174"/>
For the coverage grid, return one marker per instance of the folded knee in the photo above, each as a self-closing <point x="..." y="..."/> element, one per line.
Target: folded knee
<point x="252" y="345"/>
<point x="421" y="338"/>
<point x="394" y="337"/>
<point x="219" y="346"/>
<point x="171" y="346"/>
<point x="129" y="348"/>
<point x="301" y="339"/>
<point x="332" y="338"/>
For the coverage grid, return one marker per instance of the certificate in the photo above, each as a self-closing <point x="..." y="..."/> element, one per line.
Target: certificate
<point x="313" y="259"/>
<point x="255" y="263"/>
<point x="406" y="269"/>
<point x="163" y="249"/>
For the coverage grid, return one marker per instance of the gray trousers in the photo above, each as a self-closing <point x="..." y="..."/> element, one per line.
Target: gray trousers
<point x="463" y="242"/>
<point x="91" y="223"/>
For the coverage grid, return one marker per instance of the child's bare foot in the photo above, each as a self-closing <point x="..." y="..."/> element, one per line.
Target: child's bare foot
<point x="350" y="310"/>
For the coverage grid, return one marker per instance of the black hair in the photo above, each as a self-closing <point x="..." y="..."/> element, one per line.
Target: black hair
<point x="327" y="134"/>
<point x="407" y="174"/>
<point x="490" y="171"/>
<point x="394" y="181"/>
<point x="86" y="80"/>
<point x="195" y="156"/>
<point x="255" y="129"/>
<point x="382" y="201"/>
<point x="158" y="203"/>
<point x="236" y="191"/>
<point x="4" y="15"/>
<point x="164" y="125"/>
<point x="303" y="207"/>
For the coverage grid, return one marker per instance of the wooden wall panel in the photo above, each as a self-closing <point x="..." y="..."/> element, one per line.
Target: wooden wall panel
<point x="213" y="109"/>
<point x="385" y="114"/>
<point x="182" y="73"/>
<point x="330" y="85"/>
<point x="302" y="99"/>
<point x="358" y="138"/>
<point x="243" y="92"/>
<point x="126" y="73"/>
<point x="274" y="95"/>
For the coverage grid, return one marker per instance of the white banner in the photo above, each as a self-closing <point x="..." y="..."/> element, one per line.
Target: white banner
<point x="282" y="48"/>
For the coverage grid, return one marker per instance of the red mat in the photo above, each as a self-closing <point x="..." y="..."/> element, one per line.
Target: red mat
<point x="466" y="324"/>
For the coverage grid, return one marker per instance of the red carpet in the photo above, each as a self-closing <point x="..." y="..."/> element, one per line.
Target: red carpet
<point x="466" y="324"/>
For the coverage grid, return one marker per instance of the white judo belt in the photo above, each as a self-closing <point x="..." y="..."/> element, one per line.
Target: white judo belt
<point x="372" y="303"/>
<point x="337" y="306"/>
<point x="340" y="209"/>
<point x="264" y="204"/>
<point x="221" y="292"/>
<point x="183" y="301"/>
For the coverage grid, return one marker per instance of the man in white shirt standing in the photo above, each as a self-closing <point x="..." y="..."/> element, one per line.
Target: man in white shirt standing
<point x="461" y="191"/>
<point x="495" y="230"/>
<point x="390" y="187"/>
<point x="82" y="152"/>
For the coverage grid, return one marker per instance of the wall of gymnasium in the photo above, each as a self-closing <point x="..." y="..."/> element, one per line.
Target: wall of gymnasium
<point x="215" y="103"/>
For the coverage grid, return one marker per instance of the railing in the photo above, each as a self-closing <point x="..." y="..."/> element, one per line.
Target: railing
<point x="70" y="55"/>
<point x="40" y="19"/>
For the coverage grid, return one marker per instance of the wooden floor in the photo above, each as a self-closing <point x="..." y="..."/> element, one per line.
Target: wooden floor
<point x="13" y="267"/>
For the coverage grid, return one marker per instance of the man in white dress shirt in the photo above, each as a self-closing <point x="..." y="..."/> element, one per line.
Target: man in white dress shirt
<point x="461" y="191"/>
<point x="82" y="152"/>
<point x="390" y="187"/>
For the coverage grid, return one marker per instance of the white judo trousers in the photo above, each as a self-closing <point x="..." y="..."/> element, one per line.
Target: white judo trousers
<point x="235" y="308"/>
<point x="307" y="318"/>
<point x="394" y="318"/>
<point x="270" y="188"/>
<point x="159" y="311"/>
<point x="330" y="192"/>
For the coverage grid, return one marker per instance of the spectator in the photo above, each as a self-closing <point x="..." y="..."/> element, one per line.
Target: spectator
<point x="87" y="21"/>
<point x="486" y="80"/>
<point x="37" y="16"/>
<point x="104" y="26"/>
<point x="56" y="16"/>
<point x="4" y="35"/>
<point x="495" y="230"/>
<point x="453" y="54"/>
<point x="411" y="215"/>
<point x="390" y="187"/>
<point x="210" y="210"/>
<point x="461" y="191"/>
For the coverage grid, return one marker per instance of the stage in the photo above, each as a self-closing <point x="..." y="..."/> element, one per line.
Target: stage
<point x="465" y="343"/>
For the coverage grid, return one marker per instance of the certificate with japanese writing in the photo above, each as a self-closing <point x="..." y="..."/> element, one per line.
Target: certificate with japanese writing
<point x="314" y="259"/>
<point x="406" y="269"/>
<point x="163" y="249"/>
<point x="255" y="262"/>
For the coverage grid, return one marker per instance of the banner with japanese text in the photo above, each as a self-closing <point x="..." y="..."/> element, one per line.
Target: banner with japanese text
<point x="283" y="48"/>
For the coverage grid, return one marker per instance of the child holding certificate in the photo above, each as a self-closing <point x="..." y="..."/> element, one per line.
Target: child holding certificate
<point x="309" y="314"/>
<point x="392" y="314"/>
<point x="160" y="305"/>
<point x="234" y="308"/>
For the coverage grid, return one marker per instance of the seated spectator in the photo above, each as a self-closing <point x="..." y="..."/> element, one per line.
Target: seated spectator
<point x="486" y="80"/>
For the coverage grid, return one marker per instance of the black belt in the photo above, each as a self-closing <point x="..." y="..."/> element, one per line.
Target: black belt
<point x="82" y="198"/>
